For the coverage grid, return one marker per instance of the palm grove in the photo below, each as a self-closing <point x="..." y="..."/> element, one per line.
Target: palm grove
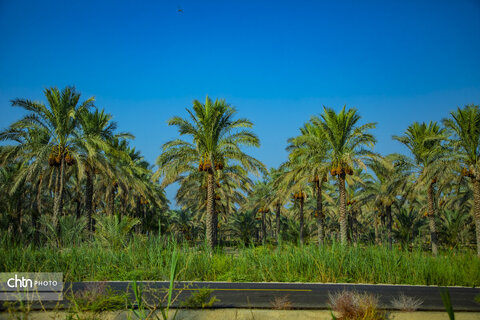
<point x="68" y="176"/>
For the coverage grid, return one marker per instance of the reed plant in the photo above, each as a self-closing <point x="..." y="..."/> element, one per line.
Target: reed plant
<point x="150" y="259"/>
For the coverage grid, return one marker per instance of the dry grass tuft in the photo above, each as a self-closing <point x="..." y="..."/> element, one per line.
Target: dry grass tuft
<point x="351" y="305"/>
<point x="281" y="303"/>
<point x="91" y="292"/>
<point x="406" y="303"/>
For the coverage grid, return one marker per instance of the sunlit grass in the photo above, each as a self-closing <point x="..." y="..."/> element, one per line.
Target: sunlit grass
<point x="148" y="259"/>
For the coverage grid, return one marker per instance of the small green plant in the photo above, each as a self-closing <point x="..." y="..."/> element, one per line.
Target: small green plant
<point x="70" y="231"/>
<point x="202" y="298"/>
<point x="147" y="310"/>
<point x="18" y="310"/>
<point x="114" y="232"/>
<point x="97" y="298"/>
<point x="447" y="302"/>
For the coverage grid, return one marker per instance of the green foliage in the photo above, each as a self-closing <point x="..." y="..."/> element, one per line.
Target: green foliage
<point x="408" y="224"/>
<point x="145" y="310"/>
<point x="447" y="303"/>
<point x="452" y="227"/>
<point x="242" y="225"/>
<point x="70" y="231"/>
<point x="111" y="231"/>
<point x="150" y="260"/>
<point x="96" y="298"/>
<point x="201" y="298"/>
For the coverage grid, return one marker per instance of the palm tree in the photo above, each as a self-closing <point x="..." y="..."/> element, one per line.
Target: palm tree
<point x="279" y="195"/>
<point x="465" y="123"/>
<point x="392" y="172"/>
<point x="243" y="226"/>
<point x="182" y="222"/>
<point x="425" y="142"/>
<point x="288" y="184"/>
<point x="453" y="226"/>
<point x="407" y="226"/>
<point x="32" y="148"/>
<point x="215" y="140"/>
<point x="95" y="138"/>
<point x="258" y="201"/>
<point x="308" y="163"/>
<point x="232" y="186"/>
<point x="60" y="120"/>
<point x="346" y="143"/>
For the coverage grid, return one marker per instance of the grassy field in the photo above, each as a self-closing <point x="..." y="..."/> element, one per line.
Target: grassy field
<point x="150" y="260"/>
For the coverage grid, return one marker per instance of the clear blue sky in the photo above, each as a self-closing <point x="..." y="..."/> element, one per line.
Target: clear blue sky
<point x="278" y="62"/>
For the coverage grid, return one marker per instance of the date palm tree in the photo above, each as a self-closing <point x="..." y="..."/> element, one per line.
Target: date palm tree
<point x="392" y="173"/>
<point x="407" y="226"/>
<point x="308" y="162"/>
<point x="214" y="140"/>
<point x="295" y="189"/>
<point x="32" y="147"/>
<point x="243" y="225"/>
<point x="347" y="142"/>
<point x="259" y="202"/>
<point x="465" y="123"/>
<point x="279" y="196"/>
<point x="426" y="143"/>
<point x="95" y="138"/>
<point x="60" y="119"/>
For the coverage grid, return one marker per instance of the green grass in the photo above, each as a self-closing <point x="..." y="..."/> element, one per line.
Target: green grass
<point x="150" y="260"/>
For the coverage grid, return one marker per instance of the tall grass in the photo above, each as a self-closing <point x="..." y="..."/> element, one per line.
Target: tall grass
<point x="149" y="259"/>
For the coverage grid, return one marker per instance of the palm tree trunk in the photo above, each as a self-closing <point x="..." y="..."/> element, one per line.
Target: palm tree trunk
<point x="476" y="203"/>
<point x="269" y="223"/>
<point x="124" y="200"/>
<point x="37" y="211"/>
<point x="383" y="227"/>
<point x="388" y="210"/>
<point x="278" y="223"/>
<point x="138" y="212"/>
<point x="78" y="210"/>
<point x="58" y="202"/>
<point x="216" y="236"/>
<point x="301" y="220"/>
<point x="320" y="227"/>
<point x="377" y="233"/>
<point x="89" y="197"/>
<point x="19" y="210"/>
<point x="111" y="202"/>
<point x="350" y="226"/>
<point x="342" y="209"/>
<point x="264" y="228"/>
<point x="211" y="225"/>
<point x="431" y="220"/>
<point x="353" y="226"/>
<point x="57" y="180"/>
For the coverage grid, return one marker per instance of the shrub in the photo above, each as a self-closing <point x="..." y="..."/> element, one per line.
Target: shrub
<point x="351" y="305"/>
<point x="200" y="299"/>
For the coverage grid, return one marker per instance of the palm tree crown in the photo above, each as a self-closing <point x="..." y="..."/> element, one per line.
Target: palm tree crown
<point x="215" y="142"/>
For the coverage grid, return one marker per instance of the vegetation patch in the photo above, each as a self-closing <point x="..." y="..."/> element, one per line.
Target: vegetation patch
<point x="150" y="260"/>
